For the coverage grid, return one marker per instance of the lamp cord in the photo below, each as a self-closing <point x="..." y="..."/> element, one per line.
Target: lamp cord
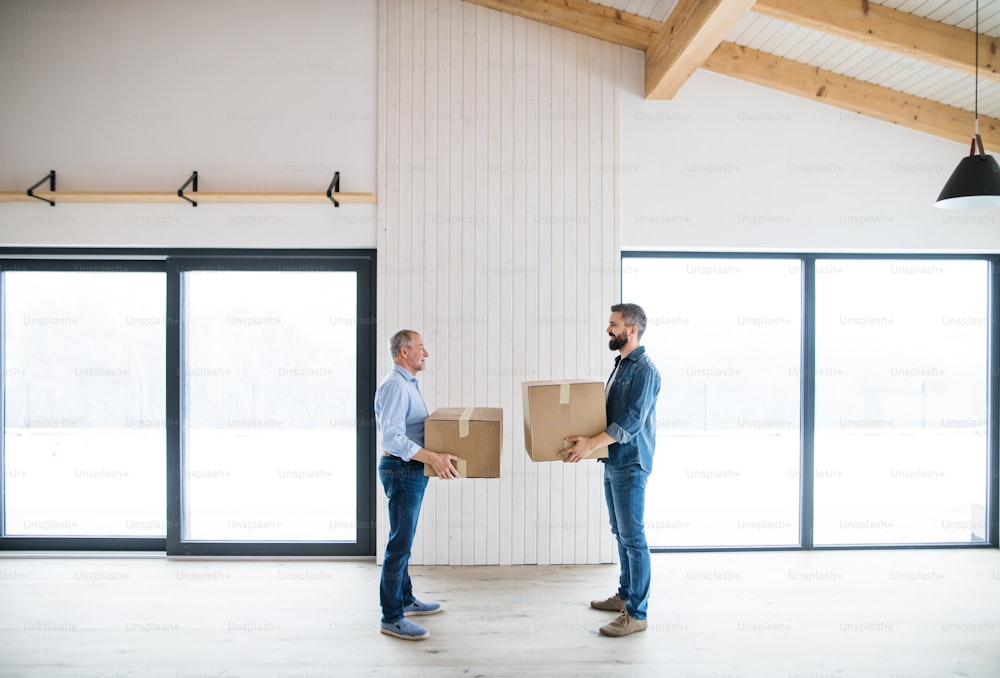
<point x="976" y="139"/>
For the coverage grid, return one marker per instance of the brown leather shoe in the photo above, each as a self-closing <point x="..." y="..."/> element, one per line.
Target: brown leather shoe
<point x="623" y="626"/>
<point x="612" y="604"/>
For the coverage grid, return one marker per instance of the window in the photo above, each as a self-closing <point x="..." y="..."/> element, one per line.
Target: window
<point x="84" y="429"/>
<point x="818" y="401"/>
<point x="725" y="335"/>
<point x="270" y="367"/>
<point x="901" y="393"/>
<point x="202" y="403"/>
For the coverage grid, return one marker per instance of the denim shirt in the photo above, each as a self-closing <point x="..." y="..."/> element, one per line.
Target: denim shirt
<point x="631" y="408"/>
<point x="400" y="412"/>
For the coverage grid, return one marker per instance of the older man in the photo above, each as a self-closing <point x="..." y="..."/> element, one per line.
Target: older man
<point x="400" y="412"/>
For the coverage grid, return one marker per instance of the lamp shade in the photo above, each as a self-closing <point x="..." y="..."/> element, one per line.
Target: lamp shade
<point x="974" y="184"/>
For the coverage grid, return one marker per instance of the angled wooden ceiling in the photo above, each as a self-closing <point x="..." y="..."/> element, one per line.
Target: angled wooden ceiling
<point x="909" y="62"/>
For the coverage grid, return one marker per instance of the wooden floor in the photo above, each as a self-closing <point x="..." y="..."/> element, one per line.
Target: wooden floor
<point x="895" y="614"/>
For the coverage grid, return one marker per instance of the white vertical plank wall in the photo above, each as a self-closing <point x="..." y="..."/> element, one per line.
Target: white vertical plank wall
<point x="498" y="242"/>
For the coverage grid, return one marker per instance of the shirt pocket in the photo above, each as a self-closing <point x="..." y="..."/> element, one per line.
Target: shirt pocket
<point x="624" y="384"/>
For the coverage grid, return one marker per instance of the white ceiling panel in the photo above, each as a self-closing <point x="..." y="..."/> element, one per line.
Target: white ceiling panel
<point x="662" y="10"/>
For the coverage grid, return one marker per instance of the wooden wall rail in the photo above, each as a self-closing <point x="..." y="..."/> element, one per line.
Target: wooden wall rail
<point x="201" y="197"/>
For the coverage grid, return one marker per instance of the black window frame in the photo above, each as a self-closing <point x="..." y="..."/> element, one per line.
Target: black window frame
<point x="173" y="262"/>
<point x="808" y="262"/>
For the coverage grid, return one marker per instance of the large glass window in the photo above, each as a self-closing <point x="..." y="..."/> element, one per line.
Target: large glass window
<point x="198" y="402"/>
<point x="725" y="335"/>
<point x="901" y="401"/>
<point x="269" y="435"/>
<point x="84" y="428"/>
<point x="871" y="373"/>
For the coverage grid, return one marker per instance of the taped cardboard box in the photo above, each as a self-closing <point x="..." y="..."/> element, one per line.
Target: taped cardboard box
<point x="473" y="433"/>
<point x="555" y="410"/>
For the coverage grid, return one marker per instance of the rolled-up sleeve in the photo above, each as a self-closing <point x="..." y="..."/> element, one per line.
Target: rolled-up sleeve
<point x="390" y="413"/>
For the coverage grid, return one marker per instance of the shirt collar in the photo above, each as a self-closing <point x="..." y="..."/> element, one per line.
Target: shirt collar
<point x="405" y="373"/>
<point x="633" y="356"/>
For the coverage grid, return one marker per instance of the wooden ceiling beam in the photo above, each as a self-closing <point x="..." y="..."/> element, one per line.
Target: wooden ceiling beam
<point x="691" y="33"/>
<point x="852" y="95"/>
<point x="891" y="30"/>
<point x="580" y="16"/>
<point x="698" y="25"/>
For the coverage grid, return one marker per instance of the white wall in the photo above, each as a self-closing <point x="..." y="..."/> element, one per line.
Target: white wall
<point x="256" y="95"/>
<point x="498" y="242"/>
<point x="728" y="165"/>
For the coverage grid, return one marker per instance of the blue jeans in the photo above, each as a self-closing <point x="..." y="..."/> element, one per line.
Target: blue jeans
<point x="404" y="483"/>
<point x="625" y="491"/>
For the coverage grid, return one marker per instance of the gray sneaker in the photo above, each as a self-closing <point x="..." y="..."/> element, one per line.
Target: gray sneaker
<point x="404" y="629"/>
<point x="612" y="604"/>
<point x="418" y="607"/>
<point x="623" y="626"/>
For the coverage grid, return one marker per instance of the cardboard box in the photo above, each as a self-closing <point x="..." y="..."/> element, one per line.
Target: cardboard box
<point x="555" y="410"/>
<point x="473" y="433"/>
<point x="461" y="466"/>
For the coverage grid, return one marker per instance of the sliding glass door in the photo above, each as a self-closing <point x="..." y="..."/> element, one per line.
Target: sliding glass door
<point x="901" y="401"/>
<point x="269" y="403"/>
<point x="725" y="336"/>
<point x="203" y="404"/>
<point x="83" y="408"/>
<point x="820" y="401"/>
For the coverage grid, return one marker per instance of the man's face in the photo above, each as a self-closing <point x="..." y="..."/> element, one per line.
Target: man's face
<point x="618" y="331"/>
<point x="414" y="355"/>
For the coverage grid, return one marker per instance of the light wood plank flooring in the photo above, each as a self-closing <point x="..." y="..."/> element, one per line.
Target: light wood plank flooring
<point x="897" y="614"/>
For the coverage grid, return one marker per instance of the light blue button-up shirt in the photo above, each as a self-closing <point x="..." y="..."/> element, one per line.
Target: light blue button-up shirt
<point x="400" y="412"/>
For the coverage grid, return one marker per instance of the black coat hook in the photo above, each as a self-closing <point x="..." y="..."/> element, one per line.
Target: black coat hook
<point x="193" y="179"/>
<point x="334" y="187"/>
<point x="51" y="178"/>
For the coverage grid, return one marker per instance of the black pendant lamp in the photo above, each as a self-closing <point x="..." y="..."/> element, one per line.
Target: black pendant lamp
<point x="975" y="183"/>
